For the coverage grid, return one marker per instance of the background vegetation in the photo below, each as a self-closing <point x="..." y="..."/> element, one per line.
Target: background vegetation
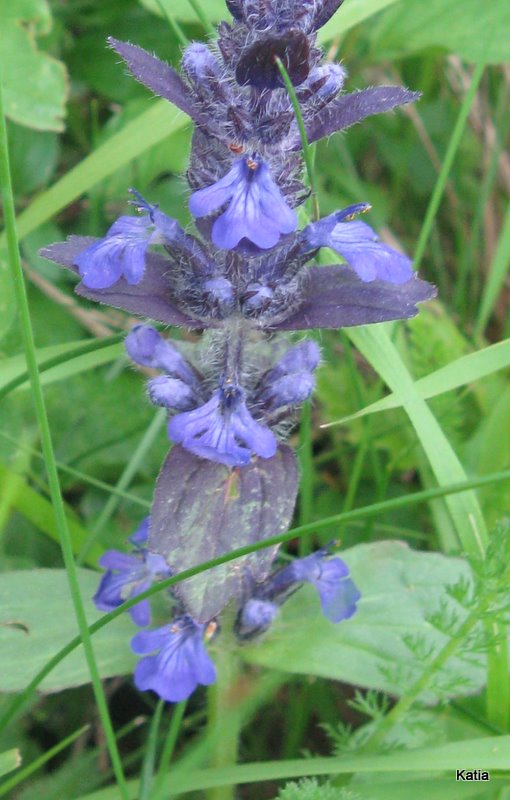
<point x="405" y="451"/>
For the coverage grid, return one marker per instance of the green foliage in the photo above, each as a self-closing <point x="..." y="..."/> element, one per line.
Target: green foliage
<point x="37" y="620"/>
<point x="311" y="789"/>
<point x="413" y="25"/>
<point x="35" y="82"/>
<point x="389" y="640"/>
<point x="183" y="10"/>
<point x="416" y="406"/>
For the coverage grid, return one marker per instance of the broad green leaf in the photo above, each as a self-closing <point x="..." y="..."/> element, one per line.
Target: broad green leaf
<point x="35" y="83"/>
<point x="464" y="370"/>
<point x="492" y="752"/>
<point x="37" y="619"/>
<point x="182" y="10"/>
<point x="151" y="127"/>
<point x="352" y="13"/>
<point x="400" y="588"/>
<point x="478" y="32"/>
<point x="39" y="512"/>
<point x="9" y="760"/>
<point x="375" y="344"/>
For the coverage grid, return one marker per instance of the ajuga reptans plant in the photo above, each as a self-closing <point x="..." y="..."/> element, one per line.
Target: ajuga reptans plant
<point x="242" y="277"/>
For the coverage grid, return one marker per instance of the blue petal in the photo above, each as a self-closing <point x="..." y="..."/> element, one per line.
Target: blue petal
<point x="181" y="664"/>
<point x="257" y="209"/>
<point x="226" y="435"/>
<point x="206" y="201"/>
<point x="140" y="536"/>
<point x="359" y="245"/>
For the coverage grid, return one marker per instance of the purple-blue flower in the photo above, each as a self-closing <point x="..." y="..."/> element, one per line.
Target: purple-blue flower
<point x="149" y="349"/>
<point x="330" y="576"/>
<point x="291" y="381"/>
<point x="257" y="210"/>
<point x="223" y="430"/>
<point x="255" y="617"/>
<point x="128" y="575"/>
<point x="359" y="245"/>
<point x="180" y="662"/>
<point x="121" y="253"/>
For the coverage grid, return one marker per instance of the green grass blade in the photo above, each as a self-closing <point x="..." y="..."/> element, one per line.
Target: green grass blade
<point x="149" y="761"/>
<point x="47" y="444"/>
<point x="497" y="274"/>
<point x="59" y="362"/>
<point x="40" y="513"/>
<point x="80" y="476"/>
<point x="24" y="773"/>
<point x="125" y="479"/>
<point x="491" y="752"/>
<point x="464" y="370"/>
<point x="374" y="343"/>
<point x="451" y="152"/>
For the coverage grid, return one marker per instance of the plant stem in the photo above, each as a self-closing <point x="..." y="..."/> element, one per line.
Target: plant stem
<point x="223" y="702"/>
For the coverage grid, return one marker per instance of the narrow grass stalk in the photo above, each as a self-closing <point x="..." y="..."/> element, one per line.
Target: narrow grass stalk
<point x="308" y="152"/>
<point x="35" y="765"/>
<point x="168" y="748"/>
<point x="451" y="152"/>
<point x="202" y="16"/>
<point x="497" y="275"/>
<point x="125" y="479"/>
<point x="173" y="24"/>
<point x="47" y="446"/>
<point x="78" y="474"/>
<point x="55" y="361"/>
<point x="149" y="761"/>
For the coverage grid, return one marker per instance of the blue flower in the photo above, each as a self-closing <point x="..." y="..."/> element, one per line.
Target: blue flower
<point x="149" y="349"/>
<point x="359" y="245"/>
<point x="255" y="617"/>
<point x="257" y="210"/>
<point x="338" y="593"/>
<point x="291" y="381"/>
<point x="128" y="575"/>
<point x="122" y="251"/>
<point x="223" y="430"/>
<point x="180" y="664"/>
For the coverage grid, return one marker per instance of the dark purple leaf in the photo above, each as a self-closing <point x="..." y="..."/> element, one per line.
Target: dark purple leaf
<point x="329" y="7"/>
<point x="157" y="76"/>
<point x="152" y="297"/>
<point x="203" y="510"/>
<point x="257" y="66"/>
<point x="351" y="108"/>
<point x="64" y="253"/>
<point x="336" y="298"/>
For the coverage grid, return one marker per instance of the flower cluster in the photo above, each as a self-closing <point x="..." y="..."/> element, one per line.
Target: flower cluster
<point x="175" y="658"/>
<point x="244" y="275"/>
